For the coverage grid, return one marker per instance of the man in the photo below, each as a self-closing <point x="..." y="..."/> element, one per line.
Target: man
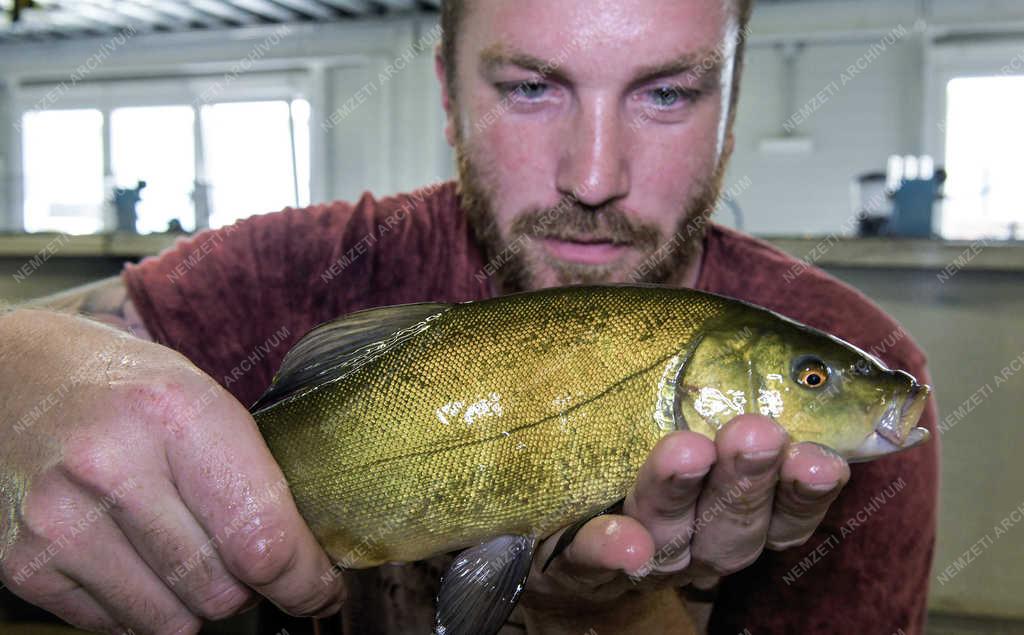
<point x="592" y="136"/>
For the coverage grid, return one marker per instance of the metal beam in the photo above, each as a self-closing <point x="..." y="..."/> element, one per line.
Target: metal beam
<point x="266" y="9"/>
<point x="112" y="19"/>
<point x="224" y="11"/>
<point x="49" y="14"/>
<point x="76" y="18"/>
<point x="181" y="11"/>
<point x="53" y="15"/>
<point x="32" y="24"/>
<point x="358" y="7"/>
<point x="64" y="20"/>
<point x="397" y="5"/>
<point x="143" y="14"/>
<point x="310" y="8"/>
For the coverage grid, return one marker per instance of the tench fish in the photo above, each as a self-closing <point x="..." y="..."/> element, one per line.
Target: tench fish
<point x="409" y="431"/>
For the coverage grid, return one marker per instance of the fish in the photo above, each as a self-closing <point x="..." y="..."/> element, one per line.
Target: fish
<point x="409" y="431"/>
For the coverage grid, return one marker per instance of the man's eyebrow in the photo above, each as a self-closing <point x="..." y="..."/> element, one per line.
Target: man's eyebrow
<point x="497" y="56"/>
<point x="700" y="63"/>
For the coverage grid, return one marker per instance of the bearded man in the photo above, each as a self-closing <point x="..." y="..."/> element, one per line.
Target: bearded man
<point x="592" y="137"/>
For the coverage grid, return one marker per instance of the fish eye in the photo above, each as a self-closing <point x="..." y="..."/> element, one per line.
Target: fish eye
<point x="810" y="372"/>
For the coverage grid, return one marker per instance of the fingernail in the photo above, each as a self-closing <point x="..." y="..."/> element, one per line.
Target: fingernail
<point x="813" y="491"/>
<point x="756" y="463"/>
<point x="686" y="481"/>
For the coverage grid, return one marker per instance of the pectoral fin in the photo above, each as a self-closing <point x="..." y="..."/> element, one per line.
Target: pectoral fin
<point x="482" y="586"/>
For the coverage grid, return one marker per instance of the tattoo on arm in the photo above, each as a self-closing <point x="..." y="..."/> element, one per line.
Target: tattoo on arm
<point x="105" y="301"/>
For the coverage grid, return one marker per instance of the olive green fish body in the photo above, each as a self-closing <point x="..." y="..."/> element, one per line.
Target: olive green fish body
<point x="409" y="431"/>
<point x="517" y="415"/>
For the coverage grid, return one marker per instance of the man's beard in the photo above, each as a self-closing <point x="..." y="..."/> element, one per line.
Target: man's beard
<point x="518" y="264"/>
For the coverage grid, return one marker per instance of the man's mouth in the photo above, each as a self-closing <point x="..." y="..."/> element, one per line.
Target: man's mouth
<point x="584" y="250"/>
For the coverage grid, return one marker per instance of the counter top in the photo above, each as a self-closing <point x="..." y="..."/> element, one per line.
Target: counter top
<point x="906" y="253"/>
<point x="112" y="245"/>
<point x="828" y="251"/>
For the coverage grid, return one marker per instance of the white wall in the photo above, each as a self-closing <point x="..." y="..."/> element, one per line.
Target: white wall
<point x="892" y="105"/>
<point x="855" y="131"/>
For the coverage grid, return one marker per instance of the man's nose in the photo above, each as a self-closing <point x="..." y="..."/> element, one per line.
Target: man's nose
<point x="593" y="166"/>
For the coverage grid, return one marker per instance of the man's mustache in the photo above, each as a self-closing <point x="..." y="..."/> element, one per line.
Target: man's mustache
<point x="573" y="221"/>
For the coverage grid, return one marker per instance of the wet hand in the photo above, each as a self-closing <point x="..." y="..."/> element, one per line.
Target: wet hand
<point x="142" y="497"/>
<point x="699" y="509"/>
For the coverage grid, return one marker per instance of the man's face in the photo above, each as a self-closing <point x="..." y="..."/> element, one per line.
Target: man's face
<point x="591" y="134"/>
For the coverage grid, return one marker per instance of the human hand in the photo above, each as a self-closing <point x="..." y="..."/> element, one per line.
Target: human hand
<point x="699" y="509"/>
<point x="135" y="492"/>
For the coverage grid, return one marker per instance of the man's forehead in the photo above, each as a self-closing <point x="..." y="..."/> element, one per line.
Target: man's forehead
<point x="644" y="34"/>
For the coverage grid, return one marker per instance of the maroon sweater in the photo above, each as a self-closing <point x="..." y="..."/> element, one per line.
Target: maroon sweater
<point x="223" y="299"/>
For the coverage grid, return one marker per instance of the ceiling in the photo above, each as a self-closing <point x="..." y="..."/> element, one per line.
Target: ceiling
<point x="65" y="19"/>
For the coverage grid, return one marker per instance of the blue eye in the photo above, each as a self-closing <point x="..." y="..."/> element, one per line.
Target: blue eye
<point x="530" y="90"/>
<point x="669" y="96"/>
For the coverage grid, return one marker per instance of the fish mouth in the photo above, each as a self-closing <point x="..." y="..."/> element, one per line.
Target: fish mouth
<point x="895" y="430"/>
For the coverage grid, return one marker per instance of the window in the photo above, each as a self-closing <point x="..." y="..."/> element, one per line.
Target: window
<point x="254" y="157"/>
<point x="984" y="134"/>
<point x="156" y="145"/>
<point x="251" y="173"/>
<point x="63" y="165"/>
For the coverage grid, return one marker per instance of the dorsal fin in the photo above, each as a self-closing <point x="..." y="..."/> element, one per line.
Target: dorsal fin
<point x="334" y="349"/>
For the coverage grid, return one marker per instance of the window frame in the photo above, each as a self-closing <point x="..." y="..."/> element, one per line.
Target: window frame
<point x="946" y="61"/>
<point x="110" y="94"/>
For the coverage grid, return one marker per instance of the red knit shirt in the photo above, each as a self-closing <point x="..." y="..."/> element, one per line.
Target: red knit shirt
<point x="234" y="300"/>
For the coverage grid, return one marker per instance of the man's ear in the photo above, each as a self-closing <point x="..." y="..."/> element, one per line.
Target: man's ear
<point x="730" y="144"/>
<point x="446" y="100"/>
